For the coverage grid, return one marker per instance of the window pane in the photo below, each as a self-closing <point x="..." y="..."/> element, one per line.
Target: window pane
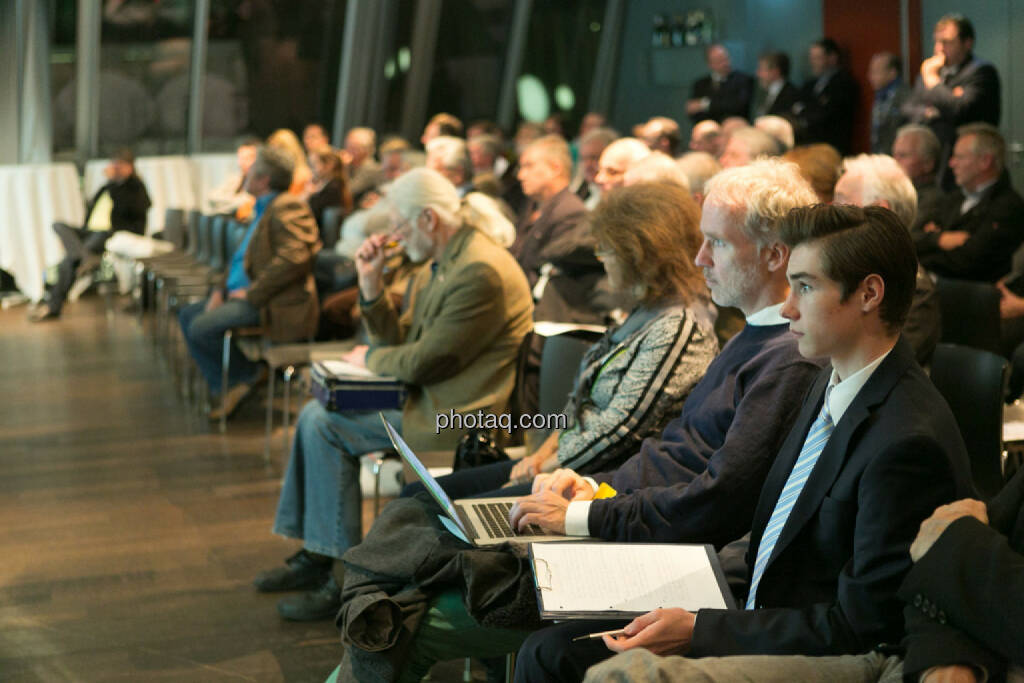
<point x="558" y="64"/>
<point x="470" y="55"/>
<point x="62" y="73"/>
<point x="270" y="65"/>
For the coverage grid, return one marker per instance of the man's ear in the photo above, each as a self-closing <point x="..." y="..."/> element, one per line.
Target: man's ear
<point x="776" y="256"/>
<point x="871" y="293"/>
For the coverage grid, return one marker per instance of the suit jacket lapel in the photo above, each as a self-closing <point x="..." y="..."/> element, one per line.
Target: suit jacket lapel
<point x="837" y="450"/>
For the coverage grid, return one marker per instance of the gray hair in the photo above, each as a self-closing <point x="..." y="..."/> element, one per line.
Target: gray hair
<point x="604" y="135"/>
<point x="453" y="154"/>
<point x="757" y="142"/>
<point x="425" y="188"/>
<point x="277" y="165"/>
<point x="490" y="144"/>
<point x="882" y="179"/>
<point x="699" y="168"/>
<point x="656" y="166"/>
<point x="553" y="148"/>
<point x="927" y="142"/>
<point x="987" y="140"/>
<point x="779" y="128"/>
<point x="763" y="192"/>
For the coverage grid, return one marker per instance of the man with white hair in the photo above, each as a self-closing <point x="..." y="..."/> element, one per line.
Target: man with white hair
<point x="616" y="160"/>
<point x="699" y="168"/>
<point x="917" y="150"/>
<point x="656" y="167"/>
<point x="455" y="345"/>
<point x="746" y="145"/>
<point x="779" y="128"/>
<point x="877" y="180"/>
<point x="449" y="156"/>
<point x="485" y="153"/>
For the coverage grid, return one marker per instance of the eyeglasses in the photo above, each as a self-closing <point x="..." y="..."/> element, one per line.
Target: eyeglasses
<point x="603" y="252"/>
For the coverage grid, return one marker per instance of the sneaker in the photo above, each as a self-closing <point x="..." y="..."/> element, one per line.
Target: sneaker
<point x="302" y="571"/>
<point x="322" y="603"/>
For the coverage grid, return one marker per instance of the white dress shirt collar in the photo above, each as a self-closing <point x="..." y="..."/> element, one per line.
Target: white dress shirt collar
<point x="843" y="392"/>
<point x="769" y="315"/>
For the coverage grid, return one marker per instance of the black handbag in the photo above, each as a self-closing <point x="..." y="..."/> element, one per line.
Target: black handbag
<point x="477" y="447"/>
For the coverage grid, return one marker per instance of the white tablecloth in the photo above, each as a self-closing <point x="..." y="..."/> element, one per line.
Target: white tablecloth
<point x="32" y="198"/>
<point x="169" y="182"/>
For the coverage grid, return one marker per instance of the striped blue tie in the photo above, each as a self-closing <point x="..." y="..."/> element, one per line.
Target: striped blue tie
<point x="817" y="437"/>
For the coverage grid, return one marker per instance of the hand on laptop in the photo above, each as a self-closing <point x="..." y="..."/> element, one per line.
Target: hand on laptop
<point x="546" y="509"/>
<point x="565" y="483"/>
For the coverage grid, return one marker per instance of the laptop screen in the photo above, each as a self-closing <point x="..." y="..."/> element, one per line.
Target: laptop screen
<point x="425" y="476"/>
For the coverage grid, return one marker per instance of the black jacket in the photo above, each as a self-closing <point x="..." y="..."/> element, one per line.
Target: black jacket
<point x="827" y="115"/>
<point x="996" y="224"/>
<point x="131" y="202"/>
<point x="965" y="596"/>
<point x="782" y="105"/>
<point x="831" y="581"/>
<point x="968" y="95"/>
<point x="731" y="98"/>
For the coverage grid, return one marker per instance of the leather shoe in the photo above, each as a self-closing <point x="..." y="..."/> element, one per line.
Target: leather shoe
<point x="301" y="571"/>
<point x="322" y="603"/>
<point x="43" y="315"/>
<point x="234" y="396"/>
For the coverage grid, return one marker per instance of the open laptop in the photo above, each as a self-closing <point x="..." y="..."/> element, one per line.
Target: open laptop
<point x="481" y="521"/>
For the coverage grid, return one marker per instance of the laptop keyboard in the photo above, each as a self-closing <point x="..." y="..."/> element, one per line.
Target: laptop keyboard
<point x="495" y="517"/>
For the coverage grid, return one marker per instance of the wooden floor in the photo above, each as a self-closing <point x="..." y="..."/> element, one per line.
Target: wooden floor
<point x="129" y="528"/>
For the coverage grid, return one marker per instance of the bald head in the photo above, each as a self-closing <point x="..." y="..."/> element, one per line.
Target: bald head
<point x="616" y="160"/>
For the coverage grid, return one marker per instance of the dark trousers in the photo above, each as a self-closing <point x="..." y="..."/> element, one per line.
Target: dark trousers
<point x="77" y="243"/>
<point x="475" y="482"/>
<point x="550" y="655"/>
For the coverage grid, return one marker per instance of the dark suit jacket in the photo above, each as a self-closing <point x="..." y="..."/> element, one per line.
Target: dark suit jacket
<point x="996" y="225"/>
<point x="966" y="594"/>
<point x="560" y="237"/>
<point x="978" y="84"/>
<point x="830" y="584"/>
<point x="827" y="116"/>
<point x="886" y="118"/>
<point x="782" y="105"/>
<point x="279" y="263"/>
<point x="731" y="98"/>
<point x="131" y="202"/>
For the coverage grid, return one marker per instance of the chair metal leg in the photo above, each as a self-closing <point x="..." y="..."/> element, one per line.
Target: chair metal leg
<point x="378" y="463"/>
<point x="289" y="372"/>
<point x="270" y="415"/>
<point x="224" y="366"/>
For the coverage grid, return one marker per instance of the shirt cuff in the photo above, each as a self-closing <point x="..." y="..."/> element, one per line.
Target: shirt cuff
<point x="576" y="518"/>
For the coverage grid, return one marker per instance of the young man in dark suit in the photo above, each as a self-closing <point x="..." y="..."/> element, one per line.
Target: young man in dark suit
<point x="872" y="452"/>
<point x="828" y="100"/>
<point x="775" y="95"/>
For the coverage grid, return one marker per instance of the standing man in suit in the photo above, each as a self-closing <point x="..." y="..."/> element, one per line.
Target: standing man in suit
<point x="890" y="93"/>
<point x="723" y="92"/>
<point x="775" y="94"/>
<point x="269" y="282"/>
<point x="955" y="87"/>
<point x="873" y="451"/>
<point x="974" y="232"/>
<point x="121" y="204"/>
<point x="828" y="101"/>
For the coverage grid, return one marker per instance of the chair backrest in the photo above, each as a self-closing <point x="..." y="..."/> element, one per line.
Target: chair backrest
<point x="559" y="363"/>
<point x="972" y="382"/>
<point x="174" y="228"/>
<point x="970" y="313"/>
<point x="331" y="226"/>
<point x="204" y="248"/>
<point x="218" y="243"/>
<point x="192" y="241"/>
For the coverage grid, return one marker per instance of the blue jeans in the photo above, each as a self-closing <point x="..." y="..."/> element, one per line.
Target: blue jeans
<point x="321" y="502"/>
<point x="204" y="335"/>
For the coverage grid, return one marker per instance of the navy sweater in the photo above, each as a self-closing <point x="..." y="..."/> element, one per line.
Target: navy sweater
<point x="699" y="483"/>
